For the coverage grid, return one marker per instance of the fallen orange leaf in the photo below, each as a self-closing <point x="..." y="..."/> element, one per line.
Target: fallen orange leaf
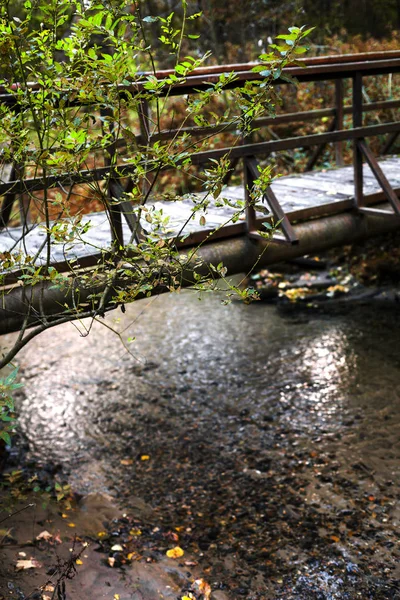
<point x="204" y="588"/>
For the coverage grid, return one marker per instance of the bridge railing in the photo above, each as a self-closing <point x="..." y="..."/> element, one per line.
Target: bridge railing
<point x="335" y="69"/>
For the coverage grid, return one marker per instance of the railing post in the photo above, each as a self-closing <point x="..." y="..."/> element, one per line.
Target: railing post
<point x="357" y="154"/>
<point x="114" y="187"/>
<point x="339" y="119"/>
<point x="145" y="134"/>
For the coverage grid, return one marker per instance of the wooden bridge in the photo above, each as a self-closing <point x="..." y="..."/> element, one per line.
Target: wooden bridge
<point x="315" y="209"/>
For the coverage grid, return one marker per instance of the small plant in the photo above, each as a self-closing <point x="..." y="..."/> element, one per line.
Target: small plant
<point x="8" y="385"/>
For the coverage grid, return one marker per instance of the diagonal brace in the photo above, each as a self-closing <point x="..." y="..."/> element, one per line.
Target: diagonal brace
<point x="252" y="174"/>
<point x="380" y="176"/>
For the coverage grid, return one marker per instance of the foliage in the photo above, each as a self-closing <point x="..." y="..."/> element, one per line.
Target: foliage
<point x="7" y="386"/>
<point x="78" y="89"/>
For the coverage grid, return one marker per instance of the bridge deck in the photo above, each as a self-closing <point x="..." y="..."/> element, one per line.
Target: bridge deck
<point x="323" y="192"/>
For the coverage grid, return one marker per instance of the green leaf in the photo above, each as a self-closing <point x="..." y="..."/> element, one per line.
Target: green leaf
<point x="300" y="50"/>
<point x="6" y="437"/>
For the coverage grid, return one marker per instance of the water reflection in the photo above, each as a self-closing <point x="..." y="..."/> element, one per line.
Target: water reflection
<point x="308" y="374"/>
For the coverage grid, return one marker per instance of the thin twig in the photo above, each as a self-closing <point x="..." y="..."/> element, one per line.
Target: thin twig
<point x="17" y="512"/>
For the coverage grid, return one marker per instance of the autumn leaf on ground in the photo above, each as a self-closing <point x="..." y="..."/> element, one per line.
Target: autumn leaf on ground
<point x="176" y="552"/>
<point x="30" y="563"/>
<point x="126" y="461"/>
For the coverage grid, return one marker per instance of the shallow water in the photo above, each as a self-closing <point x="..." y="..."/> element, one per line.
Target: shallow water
<point x="320" y="368"/>
<point x="239" y="392"/>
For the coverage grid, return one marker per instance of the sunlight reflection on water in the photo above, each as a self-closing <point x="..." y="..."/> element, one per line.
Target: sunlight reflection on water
<point x="235" y="358"/>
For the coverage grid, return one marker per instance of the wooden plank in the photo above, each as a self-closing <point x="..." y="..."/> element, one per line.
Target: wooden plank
<point x="305" y="183"/>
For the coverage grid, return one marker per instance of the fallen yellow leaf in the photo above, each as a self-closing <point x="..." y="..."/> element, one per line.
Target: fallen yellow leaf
<point x="145" y="457"/>
<point x="101" y="534"/>
<point x="176" y="552"/>
<point x="71" y="525"/>
<point x="135" y="532"/>
<point x="126" y="461"/>
<point x="78" y="561"/>
<point x="116" y="596"/>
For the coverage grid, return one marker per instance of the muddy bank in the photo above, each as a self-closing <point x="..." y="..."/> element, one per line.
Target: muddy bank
<point x="265" y="445"/>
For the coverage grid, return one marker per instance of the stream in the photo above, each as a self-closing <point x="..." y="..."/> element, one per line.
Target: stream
<point x="269" y="438"/>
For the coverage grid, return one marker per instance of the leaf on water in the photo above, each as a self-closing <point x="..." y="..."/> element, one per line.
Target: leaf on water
<point x="78" y="561"/>
<point x="45" y="535"/>
<point x="30" y="563"/>
<point x="176" y="552"/>
<point x="71" y="525"/>
<point x="204" y="588"/>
